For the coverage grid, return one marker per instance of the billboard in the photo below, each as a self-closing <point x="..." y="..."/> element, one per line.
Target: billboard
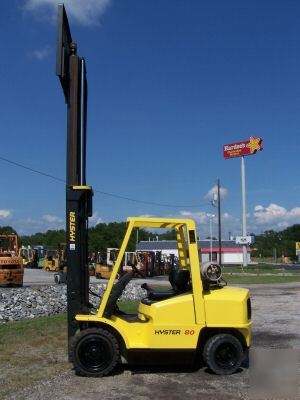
<point x="240" y="149"/>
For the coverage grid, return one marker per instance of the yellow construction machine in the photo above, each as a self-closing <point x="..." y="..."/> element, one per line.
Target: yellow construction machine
<point x="27" y="254"/>
<point x="54" y="259"/>
<point x="105" y="262"/>
<point x="198" y="315"/>
<point x="11" y="264"/>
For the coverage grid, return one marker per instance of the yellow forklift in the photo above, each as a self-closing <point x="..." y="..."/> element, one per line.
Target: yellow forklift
<point x="27" y="254"/>
<point x="55" y="258"/>
<point x="105" y="263"/>
<point x="198" y="316"/>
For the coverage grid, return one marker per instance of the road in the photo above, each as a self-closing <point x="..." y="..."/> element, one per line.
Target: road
<point x="38" y="277"/>
<point x="276" y="322"/>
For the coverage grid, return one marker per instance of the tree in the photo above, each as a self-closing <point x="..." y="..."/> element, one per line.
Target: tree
<point x="283" y="242"/>
<point x="7" y="230"/>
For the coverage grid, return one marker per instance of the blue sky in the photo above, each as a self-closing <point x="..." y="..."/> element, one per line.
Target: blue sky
<point x="170" y="82"/>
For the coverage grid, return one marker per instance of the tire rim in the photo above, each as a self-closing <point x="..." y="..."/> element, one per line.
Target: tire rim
<point x="94" y="354"/>
<point x="226" y="356"/>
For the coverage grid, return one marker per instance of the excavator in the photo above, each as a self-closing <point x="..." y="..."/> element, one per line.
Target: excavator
<point x="198" y="316"/>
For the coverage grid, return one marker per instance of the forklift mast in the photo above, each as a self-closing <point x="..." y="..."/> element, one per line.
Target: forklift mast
<point x="71" y="70"/>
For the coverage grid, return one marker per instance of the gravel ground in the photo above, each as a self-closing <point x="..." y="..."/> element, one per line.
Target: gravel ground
<point x="40" y="301"/>
<point x="276" y="325"/>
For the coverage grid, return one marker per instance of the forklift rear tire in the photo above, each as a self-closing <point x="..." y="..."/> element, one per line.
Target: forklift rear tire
<point x="94" y="352"/>
<point x="223" y="354"/>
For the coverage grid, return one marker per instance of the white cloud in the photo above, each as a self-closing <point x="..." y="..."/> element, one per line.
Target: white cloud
<point x="262" y="218"/>
<point x="275" y="216"/>
<point x="52" y="219"/>
<point x="95" y="219"/>
<point x="85" y="12"/>
<point x="4" y="214"/>
<point x="198" y="216"/>
<point x="40" y="54"/>
<point x="227" y="216"/>
<point x="28" y="226"/>
<point x="214" y="190"/>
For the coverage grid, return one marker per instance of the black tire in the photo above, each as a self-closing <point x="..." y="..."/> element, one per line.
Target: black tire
<point x="223" y="354"/>
<point x="57" y="279"/>
<point x="97" y="275"/>
<point x="94" y="352"/>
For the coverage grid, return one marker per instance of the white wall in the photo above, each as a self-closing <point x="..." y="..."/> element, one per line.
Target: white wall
<point x="227" y="258"/>
<point x="235" y="258"/>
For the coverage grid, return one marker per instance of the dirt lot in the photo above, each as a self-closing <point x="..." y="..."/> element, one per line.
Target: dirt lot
<point x="276" y="325"/>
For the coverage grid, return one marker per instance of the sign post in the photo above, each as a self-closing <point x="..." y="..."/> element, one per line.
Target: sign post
<point x="242" y="149"/>
<point x="244" y="209"/>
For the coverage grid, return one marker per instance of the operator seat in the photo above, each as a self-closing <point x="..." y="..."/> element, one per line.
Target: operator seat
<point x="179" y="280"/>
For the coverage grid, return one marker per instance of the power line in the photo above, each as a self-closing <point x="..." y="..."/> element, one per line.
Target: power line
<point x="32" y="170"/>
<point x="153" y="203"/>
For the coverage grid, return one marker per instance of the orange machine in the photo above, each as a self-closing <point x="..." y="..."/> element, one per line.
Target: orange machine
<point x="11" y="265"/>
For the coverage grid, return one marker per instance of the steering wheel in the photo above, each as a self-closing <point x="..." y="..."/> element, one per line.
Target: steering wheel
<point x="115" y="293"/>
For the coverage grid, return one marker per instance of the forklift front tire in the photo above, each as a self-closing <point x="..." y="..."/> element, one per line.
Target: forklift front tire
<point x="223" y="354"/>
<point x="94" y="352"/>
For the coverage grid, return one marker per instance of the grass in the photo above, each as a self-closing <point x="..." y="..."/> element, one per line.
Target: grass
<point x="128" y="306"/>
<point x="261" y="273"/>
<point x="35" y="350"/>
<point x="257" y="269"/>
<point x="257" y="279"/>
<point x="31" y="350"/>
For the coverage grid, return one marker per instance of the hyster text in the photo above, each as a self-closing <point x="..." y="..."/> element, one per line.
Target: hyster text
<point x="167" y="332"/>
<point x="72" y="222"/>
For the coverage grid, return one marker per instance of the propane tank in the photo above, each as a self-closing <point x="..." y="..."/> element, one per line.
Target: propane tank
<point x="211" y="271"/>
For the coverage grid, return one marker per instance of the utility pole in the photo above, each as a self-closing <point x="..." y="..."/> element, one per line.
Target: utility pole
<point x="217" y="197"/>
<point x="210" y="216"/>
<point x="219" y="222"/>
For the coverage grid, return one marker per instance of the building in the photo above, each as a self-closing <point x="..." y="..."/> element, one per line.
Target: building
<point x="232" y="253"/>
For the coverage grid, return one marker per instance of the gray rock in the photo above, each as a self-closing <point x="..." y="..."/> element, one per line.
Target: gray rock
<point x="28" y="303"/>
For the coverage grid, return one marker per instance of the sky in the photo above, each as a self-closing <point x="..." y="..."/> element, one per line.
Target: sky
<point x="170" y="82"/>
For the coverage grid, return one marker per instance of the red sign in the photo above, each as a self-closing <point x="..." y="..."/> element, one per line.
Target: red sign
<point x="240" y="149"/>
